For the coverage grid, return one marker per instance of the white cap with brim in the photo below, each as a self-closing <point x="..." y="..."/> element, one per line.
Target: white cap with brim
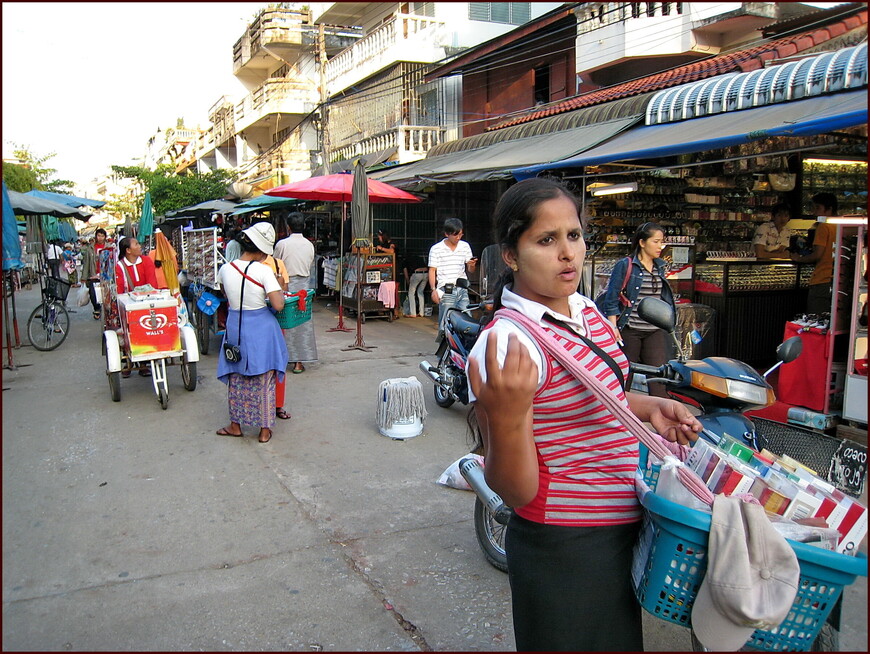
<point x="752" y="576"/>
<point x="263" y="236"/>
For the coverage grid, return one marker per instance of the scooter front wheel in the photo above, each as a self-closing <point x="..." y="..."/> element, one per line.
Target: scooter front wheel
<point x="443" y="398"/>
<point x="490" y="535"/>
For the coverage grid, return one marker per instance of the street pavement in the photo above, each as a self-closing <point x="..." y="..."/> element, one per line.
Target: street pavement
<point x="131" y="528"/>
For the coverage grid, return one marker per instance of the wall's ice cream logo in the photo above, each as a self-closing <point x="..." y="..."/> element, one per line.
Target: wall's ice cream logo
<point x="153" y="321"/>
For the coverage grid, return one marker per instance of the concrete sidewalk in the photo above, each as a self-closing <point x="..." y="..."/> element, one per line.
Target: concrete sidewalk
<point x="126" y="527"/>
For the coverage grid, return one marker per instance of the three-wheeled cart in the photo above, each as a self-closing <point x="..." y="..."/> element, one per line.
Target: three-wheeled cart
<point x="144" y="326"/>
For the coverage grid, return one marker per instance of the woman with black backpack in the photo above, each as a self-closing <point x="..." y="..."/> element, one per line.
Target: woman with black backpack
<point x="640" y="275"/>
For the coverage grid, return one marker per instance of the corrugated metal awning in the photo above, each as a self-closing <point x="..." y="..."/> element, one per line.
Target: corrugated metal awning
<point x="494" y="154"/>
<point x="806" y="117"/>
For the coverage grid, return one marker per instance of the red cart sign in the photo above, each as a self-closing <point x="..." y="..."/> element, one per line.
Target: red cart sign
<point x="151" y="326"/>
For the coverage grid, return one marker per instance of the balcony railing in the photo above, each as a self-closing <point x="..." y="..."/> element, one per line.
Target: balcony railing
<point x="413" y="143"/>
<point x="405" y="37"/>
<point x="270" y="27"/>
<point x="273" y="97"/>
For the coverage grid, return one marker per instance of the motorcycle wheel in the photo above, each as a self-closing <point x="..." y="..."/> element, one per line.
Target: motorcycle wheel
<point x="442" y="396"/>
<point x="490" y="536"/>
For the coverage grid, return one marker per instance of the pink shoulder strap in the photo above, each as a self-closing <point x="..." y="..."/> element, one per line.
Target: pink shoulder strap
<point x="657" y="445"/>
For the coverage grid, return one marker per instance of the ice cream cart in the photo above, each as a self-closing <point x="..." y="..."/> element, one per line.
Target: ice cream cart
<point x="146" y="326"/>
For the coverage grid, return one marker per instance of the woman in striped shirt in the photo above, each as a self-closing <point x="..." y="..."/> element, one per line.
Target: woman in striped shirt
<point x="553" y="451"/>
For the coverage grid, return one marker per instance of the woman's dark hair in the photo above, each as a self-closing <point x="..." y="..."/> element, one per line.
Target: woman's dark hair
<point x="100" y="230"/>
<point x="246" y="243"/>
<point x="124" y="245"/>
<point x="515" y="212"/>
<point x="643" y="233"/>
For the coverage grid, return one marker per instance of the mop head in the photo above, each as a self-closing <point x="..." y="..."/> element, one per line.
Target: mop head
<point x="400" y="399"/>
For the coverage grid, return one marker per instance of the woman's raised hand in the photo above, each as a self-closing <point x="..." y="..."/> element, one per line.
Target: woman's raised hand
<point x="507" y="393"/>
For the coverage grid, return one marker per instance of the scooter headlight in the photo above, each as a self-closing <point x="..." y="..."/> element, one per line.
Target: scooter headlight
<point x="750" y="393"/>
<point x="736" y="390"/>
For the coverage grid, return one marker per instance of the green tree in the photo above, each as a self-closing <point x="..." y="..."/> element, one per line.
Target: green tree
<point x="21" y="179"/>
<point x="170" y="191"/>
<point x="121" y="207"/>
<point x="43" y="174"/>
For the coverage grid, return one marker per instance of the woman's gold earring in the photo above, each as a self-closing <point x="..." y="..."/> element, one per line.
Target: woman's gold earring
<point x="514" y="267"/>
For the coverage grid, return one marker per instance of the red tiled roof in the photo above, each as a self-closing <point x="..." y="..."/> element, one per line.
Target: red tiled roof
<point x="742" y="61"/>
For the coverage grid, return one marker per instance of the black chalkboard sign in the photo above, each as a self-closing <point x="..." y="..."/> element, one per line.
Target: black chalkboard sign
<point x="849" y="467"/>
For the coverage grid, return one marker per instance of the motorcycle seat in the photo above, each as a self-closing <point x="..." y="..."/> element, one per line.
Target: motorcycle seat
<point x="463" y="325"/>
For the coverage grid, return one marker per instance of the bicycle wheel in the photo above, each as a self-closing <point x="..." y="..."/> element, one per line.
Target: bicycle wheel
<point x="48" y="326"/>
<point x="203" y="331"/>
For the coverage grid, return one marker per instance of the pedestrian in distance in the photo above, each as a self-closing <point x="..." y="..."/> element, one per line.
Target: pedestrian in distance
<point x="640" y="275"/>
<point x="54" y="257"/>
<point x="771" y="239"/>
<point x="68" y="258"/>
<point x="819" y="294"/>
<point x="416" y="277"/>
<point x="247" y="284"/>
<point x="553" y="451"/>
<point x="297" y="253"/>
<point x="91" y="267"/>
<point x="450" y="259"/>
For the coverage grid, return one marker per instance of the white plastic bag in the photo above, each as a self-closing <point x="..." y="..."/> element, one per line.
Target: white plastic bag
<point x="453" y="478"/>
<point x="671" y="488"/>
<point x="83" y="299"/>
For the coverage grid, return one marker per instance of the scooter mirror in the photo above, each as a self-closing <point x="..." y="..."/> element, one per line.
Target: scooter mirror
<point x="462" y="282"/>
<point x="790" y="350"/>
<point x="657" y="312"/>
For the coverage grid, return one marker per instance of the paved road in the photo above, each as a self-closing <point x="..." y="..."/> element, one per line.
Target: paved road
<point x="126" y="527"/>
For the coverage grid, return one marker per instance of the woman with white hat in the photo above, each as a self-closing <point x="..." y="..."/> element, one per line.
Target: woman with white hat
<point x="247" y="283"/>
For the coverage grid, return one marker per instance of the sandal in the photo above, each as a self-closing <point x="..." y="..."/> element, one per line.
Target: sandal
<point x="282" y="414"/>
<point x="97" y="315"/>
<point x="299" y="370"/>
<point x="144" y="372"/>
<point x="267" y="438"/>
<point x="223" y="431"/>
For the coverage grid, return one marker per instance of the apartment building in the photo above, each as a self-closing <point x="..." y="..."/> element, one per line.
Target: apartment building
<point x="331" y="82"/>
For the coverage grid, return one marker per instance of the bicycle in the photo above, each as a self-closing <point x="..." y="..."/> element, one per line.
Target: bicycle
<point x="48" y="324"/>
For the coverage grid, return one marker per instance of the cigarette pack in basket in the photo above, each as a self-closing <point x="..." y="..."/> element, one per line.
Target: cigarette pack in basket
<point x="292" y="315"/>
<point x="671" y="560"/>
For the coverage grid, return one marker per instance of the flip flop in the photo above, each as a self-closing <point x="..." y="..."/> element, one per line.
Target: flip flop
<point x="223" y="432"/>
<point x="267" y="439"/>
<point x="299" y="370"/>
<point x="282" y="414"/>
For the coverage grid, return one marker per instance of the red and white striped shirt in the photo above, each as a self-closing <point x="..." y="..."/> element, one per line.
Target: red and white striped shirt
<point x="586" y="458"/>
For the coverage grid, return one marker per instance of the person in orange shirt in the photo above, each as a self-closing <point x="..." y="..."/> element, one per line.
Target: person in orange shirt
<point x="819" y="295"/>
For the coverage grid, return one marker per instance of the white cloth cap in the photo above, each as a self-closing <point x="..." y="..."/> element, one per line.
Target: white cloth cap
<point x="263" y="236"/>
<point x="752" y="576"/>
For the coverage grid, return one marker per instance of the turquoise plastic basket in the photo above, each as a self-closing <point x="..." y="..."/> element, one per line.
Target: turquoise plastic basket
<point x="290" y="316"/>
<point x="677" y="562"/>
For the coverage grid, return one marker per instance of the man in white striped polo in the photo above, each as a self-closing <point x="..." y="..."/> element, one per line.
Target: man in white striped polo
<point x="448" y="261"/>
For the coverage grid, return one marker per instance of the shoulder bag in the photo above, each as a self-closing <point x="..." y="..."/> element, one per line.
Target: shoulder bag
<point x="233" y="353"/>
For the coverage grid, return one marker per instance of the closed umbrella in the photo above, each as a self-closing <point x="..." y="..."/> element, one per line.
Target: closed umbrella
<point x="360" y="216"/>
<point x="146" y="220"/>
<point x="168" y="258"/>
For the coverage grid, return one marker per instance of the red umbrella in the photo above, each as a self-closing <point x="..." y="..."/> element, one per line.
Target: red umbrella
<point x="339" y="188"/>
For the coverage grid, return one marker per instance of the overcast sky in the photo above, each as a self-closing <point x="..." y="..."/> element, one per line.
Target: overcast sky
<point x="93" y="81"/>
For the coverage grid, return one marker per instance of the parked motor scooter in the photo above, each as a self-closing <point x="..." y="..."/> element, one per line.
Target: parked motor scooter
<point x="454" y="343"/>
<point x="722" y="389"/>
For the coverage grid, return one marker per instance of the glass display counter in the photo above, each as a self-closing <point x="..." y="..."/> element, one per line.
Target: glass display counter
<point x="753" y="301"/>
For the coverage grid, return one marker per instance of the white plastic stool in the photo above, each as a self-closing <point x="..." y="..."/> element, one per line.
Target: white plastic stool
<point x="401" y="408"/>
